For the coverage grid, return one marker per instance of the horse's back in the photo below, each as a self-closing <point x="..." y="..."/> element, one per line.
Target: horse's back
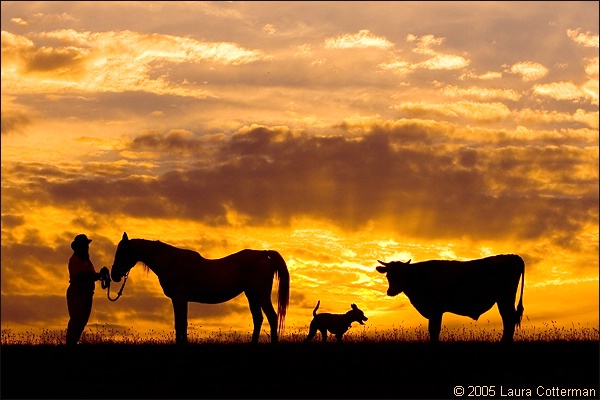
<point x="243" y="257"/>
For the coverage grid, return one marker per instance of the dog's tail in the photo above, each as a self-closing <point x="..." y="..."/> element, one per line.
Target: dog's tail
<point x="315" y="310"/>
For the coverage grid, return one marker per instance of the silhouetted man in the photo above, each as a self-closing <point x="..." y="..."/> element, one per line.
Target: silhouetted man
<point x="80" y="293"/>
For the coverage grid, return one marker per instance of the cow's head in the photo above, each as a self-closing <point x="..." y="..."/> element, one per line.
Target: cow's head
<point x="395" y="272"/>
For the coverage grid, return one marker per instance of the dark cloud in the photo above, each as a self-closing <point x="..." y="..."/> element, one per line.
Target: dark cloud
<point x="14" y="121"/>
<point x="218" y="311"/>
<point x="21" y="260"/>
<point x="12" y="221"/>
<point x="32" y="309"/>
<point x="175" y="142"/>
<point x="46" y="60"/>
<point x="407" y="177"/>
<point x="32" y="59"/>
<point x="29" y="262"/>
<point x="133" y="305"/>
<point x="137" y="304"/>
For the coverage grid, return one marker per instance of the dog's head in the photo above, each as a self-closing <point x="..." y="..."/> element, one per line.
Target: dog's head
<point x="357" y="314"/>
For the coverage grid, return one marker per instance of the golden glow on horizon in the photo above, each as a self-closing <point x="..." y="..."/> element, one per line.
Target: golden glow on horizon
<point x="318" y="256"/>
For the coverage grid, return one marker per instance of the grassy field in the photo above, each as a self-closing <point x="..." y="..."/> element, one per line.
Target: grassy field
<point x="370" y="364"/>
<point x="104" y="334"/>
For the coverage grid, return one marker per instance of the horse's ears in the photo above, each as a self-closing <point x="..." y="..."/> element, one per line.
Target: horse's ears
<point x="125" y="236"/>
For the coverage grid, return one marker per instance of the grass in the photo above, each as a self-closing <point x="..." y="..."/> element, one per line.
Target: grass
<point x="104" y="334"/>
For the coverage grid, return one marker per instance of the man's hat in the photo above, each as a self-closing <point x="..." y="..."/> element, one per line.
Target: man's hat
<point x="80" y="240"/>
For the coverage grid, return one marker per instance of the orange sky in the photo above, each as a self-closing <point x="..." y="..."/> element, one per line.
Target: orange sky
<point x="337" y="133"/>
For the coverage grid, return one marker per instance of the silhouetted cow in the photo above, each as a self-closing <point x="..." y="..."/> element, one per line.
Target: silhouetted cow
<point x="467" y="288"/>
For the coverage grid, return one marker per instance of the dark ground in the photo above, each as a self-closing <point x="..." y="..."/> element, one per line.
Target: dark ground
<point x="297" y="371"/>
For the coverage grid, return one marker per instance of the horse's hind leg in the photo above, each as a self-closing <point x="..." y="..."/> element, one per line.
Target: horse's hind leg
<point x="272" y="318"/>
<point x="180" y="310"/>
<point x="257" y="318"/>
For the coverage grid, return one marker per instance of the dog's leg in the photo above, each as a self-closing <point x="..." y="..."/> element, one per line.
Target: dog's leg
<point x="324" y="334"/>
<point x="339" y="337"/>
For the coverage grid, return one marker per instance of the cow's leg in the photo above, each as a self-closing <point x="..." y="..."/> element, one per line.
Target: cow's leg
<point x="180" y="311"/>
<point x="435" y="327"/>
<point x="509" y="319"/>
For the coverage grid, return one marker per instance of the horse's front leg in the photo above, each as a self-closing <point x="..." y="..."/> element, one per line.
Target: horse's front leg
<point x="180" y="311"/>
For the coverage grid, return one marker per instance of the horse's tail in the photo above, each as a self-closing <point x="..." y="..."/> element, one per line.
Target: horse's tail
<point x="520" y="307"/>
<point x="316" y="308"/>
<point x="283" y="292"/>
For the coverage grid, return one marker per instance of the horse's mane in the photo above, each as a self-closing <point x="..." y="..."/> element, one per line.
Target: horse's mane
<point x="146" y="267"/>
<point x="166" y="246"/>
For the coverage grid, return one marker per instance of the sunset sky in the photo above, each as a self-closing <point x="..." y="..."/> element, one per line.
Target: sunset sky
<point x="337" y="133"/>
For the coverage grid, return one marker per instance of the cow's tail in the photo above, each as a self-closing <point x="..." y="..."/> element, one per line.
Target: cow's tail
<point x="316" y="308"/>
<point x="283" y="292"/>
<point x="520" y="307"/>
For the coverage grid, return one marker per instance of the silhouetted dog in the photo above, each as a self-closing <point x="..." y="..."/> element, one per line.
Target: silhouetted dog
<point x="337" y="324"/>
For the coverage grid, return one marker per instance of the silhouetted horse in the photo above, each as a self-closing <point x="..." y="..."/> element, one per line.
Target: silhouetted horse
<point x="187" y="276"/>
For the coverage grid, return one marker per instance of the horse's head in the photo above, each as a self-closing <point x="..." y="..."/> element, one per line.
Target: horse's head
<point x="124" y="259"/>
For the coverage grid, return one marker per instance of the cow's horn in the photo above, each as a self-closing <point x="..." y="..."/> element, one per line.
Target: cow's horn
<point x="382" y="263"/>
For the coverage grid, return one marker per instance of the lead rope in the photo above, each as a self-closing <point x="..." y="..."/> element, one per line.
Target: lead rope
<point x="106" y="285"/>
